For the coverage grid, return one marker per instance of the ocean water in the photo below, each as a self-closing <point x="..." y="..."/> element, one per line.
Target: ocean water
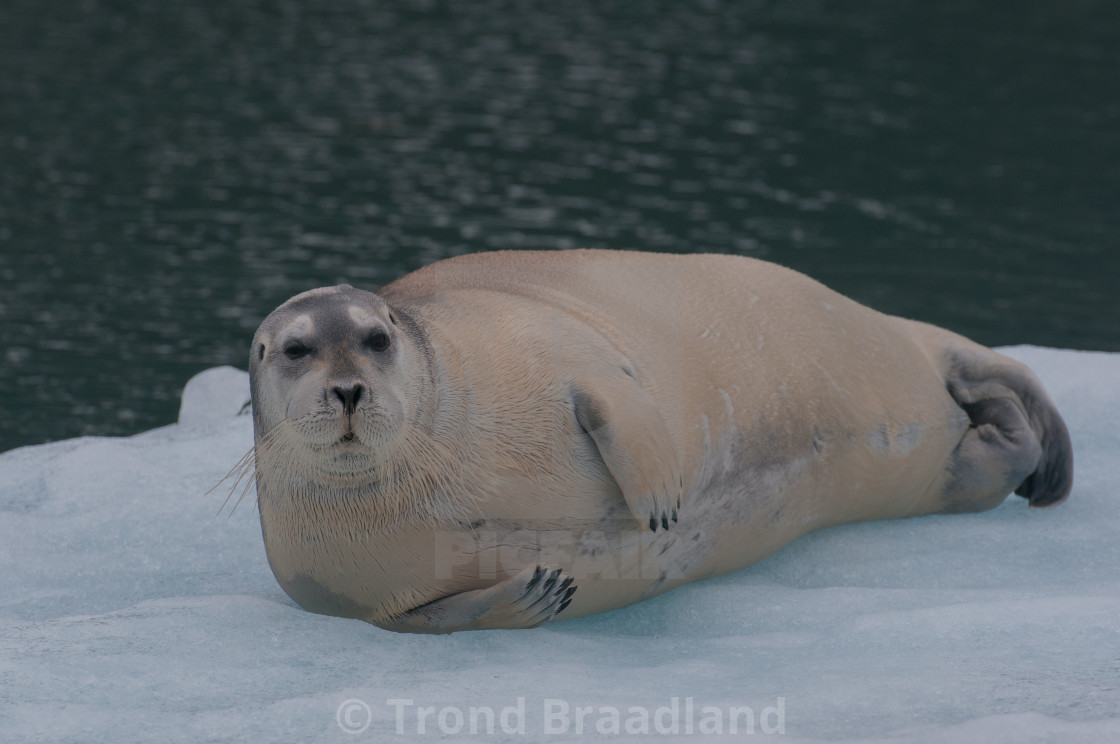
<point x="170" y="172"/>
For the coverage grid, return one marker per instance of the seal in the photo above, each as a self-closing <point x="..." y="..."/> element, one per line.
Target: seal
<point x="479" y="439"/>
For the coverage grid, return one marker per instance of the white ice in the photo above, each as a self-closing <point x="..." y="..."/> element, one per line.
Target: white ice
<point x="130" y="612"/>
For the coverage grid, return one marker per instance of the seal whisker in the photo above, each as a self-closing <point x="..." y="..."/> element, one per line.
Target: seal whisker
<point x="244" y="470"/>
<point x="245" y="465"/>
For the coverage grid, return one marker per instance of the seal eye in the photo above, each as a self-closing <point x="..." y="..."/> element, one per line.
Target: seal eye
<point x="378" y="341"/>
<point x="296" y="350"/>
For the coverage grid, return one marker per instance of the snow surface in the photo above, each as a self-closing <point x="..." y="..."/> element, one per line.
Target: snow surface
<point x="130" y="612"/>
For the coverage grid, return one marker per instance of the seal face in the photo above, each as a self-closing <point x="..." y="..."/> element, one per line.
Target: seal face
<point x="481" y="438"/>
<point x="329" y="383"/>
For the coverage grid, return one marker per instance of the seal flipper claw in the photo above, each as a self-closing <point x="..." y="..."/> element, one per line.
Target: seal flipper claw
<point x="523" y="601"/>
<point x="566" y="600"/>
<point x="549" y="584"/>
<point x="564" y="585"/>
<point x="537" y="574"/>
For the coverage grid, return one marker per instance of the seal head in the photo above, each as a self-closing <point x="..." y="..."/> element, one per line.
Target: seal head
<point x="333" y="375"/>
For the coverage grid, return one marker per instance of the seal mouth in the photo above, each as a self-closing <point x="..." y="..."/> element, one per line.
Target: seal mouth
<point x="347" y="437"/>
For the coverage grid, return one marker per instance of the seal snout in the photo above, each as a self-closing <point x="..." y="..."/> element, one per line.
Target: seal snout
<point x="349" y="395"/>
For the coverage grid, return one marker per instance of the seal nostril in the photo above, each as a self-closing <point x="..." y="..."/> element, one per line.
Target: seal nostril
<point x="349" y="397"/>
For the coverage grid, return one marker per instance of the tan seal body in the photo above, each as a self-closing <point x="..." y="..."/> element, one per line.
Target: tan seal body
<point x="483" y="437"/>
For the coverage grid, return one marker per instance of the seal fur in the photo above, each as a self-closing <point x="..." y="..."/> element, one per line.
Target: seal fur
<point x="481" y="438"/>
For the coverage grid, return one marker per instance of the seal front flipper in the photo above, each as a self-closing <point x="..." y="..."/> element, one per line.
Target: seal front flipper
<point x="634" y="442"/>
<point x="531" y="598"/>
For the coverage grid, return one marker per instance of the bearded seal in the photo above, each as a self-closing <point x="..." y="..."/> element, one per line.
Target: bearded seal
<point x="471" y="444"/>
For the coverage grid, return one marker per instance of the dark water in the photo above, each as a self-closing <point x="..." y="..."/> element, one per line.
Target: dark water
<point x="169" y="172"/>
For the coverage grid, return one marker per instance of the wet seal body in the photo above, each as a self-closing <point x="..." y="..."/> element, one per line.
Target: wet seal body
<point x="482" y="438"/>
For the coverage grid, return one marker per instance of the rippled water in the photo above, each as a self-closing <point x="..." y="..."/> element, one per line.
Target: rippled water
<point x="170" y="172"/>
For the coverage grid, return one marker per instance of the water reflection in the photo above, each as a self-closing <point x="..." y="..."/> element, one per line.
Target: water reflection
<point x="173" y="172"/>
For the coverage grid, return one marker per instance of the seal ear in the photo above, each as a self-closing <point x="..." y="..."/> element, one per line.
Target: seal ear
<point x="1010" y="411"/>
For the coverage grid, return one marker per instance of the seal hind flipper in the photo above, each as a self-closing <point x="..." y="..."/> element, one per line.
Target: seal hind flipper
<point x="533" y="597"/>
<point x="634" y="442"/>
<point x="1010" y="412"/>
